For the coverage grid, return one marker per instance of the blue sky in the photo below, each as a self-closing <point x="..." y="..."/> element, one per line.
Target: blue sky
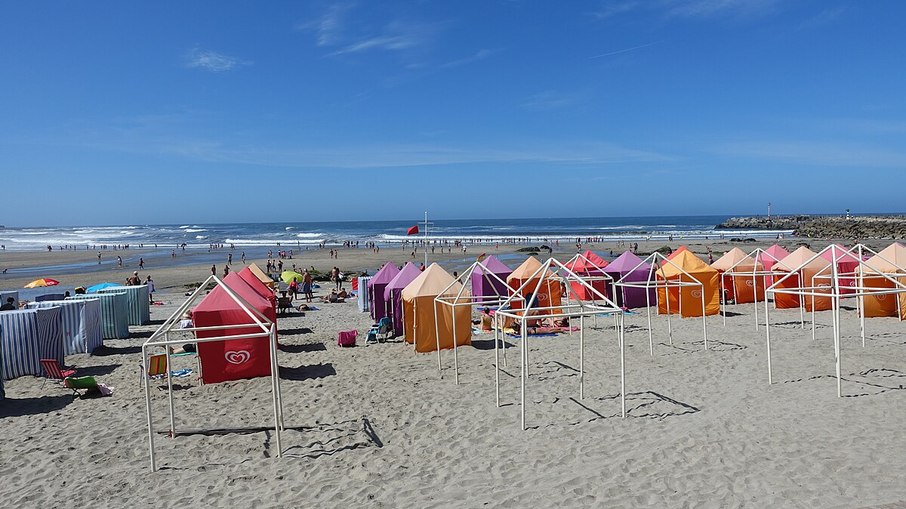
<point x="174" y="112"/>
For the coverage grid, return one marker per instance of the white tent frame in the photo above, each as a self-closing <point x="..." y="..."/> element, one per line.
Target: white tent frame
<point x="171" y="325"/>
<point x="655" y="282"/>
<point x="460" y="299"/>
<point x="755" y="274"/>
<point x="566" y="309"/>
<point x="600" y="276"/>
<point x="833" y="292"/>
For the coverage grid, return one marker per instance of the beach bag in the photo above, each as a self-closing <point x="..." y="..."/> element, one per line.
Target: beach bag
<point x="347" y="337"/>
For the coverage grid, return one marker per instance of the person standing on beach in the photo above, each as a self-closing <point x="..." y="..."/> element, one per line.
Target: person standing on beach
<point x="242" y="257"/>
<point x="141" y="263"/>
<point x="150" y="284"/>
<point x="230" y="259"/>
<point x="306" y="286"/>
<point x="213" y="270"/>
<point x="119" y="261"/>
<point x="99" y="257"/>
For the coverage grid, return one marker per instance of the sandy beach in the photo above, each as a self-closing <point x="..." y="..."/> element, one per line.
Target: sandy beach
<point x="379" y="426"/>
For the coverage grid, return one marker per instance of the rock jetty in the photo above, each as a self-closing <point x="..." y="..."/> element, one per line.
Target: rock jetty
<point x="827" y="227"/>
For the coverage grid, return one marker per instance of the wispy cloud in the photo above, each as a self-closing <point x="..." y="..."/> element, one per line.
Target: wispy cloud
<point x="817" y="153"/>
<point x="550" y="100"/>
<point x="824" y="18"/>
<point x="621" y="51"/>
<point x="212" y="61"/>
<point x="345" y="29"/>
<point x="689" y="9"/>
<point x="478" y="55"/>
<point x="611" y="9"/>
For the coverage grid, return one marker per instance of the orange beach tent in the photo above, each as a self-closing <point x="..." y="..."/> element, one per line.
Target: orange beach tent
<point x="803" y="278"/>
<point x="589" y="264"/>
<point x="889" y="261"/>
<point x="741" y="290"/>
<point x="420" y="310"/>
<point x="688" y="298"/>
<point x="549" y="294"/>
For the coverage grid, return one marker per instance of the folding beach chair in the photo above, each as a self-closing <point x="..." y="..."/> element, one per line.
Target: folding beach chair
<point x="85" y="386"/>
<point x="384" y="328"/>
<point x="53" y="371"/>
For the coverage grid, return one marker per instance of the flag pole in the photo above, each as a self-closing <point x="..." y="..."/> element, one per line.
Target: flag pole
<point x="426" y="239"/>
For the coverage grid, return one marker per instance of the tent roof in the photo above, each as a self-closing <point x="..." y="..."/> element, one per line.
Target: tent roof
<point x="405" y="276"/>
<point x="626" y="262"/>
<point x="525" y="271"/>
<point x="589" y="261"/>
<point x="494" y="266"/>
<point x="256" y="270"/>
<point x="840" y="253"/>
<point x="385" y="275"/>
<point x="796" y="260"/>
<point x="219" y="299"/>
<point x="734" y="257"/>
<point x="685" y="260"/>
<point x="430" y="283"/>
<point x="895" y="254"/>
<point x="776" y="251"/>
<point x="679" y="250"/>
<point x="252" y="280"/>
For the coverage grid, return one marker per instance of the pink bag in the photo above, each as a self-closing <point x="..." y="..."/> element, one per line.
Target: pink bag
<point x="347" y="337"/>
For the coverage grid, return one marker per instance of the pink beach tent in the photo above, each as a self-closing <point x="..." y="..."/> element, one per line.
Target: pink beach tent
<point x="393" y="295"/>
<point x="376" y="286"/>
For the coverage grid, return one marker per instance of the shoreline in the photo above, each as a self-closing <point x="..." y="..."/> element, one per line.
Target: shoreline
<point x="193" y="266"/>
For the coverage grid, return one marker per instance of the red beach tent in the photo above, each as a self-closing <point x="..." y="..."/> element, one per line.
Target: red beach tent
<point x="232" y="359"/>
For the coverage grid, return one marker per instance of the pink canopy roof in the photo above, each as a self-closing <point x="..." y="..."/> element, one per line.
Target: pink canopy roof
<point x="402" y="279"/>
<point x="588" y="262"/>
<point x="385" y="275"/>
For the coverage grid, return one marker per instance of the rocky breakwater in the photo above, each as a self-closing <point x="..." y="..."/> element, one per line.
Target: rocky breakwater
<point x="828" y="227"/>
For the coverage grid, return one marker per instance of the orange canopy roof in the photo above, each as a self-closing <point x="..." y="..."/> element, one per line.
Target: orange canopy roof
<point x="685" y="260"/>
<point x="735" y="258"/>
<point x="796" y="260"/>
<point x="525" y="271"/>
<point x="430" y="283"/>
<point x="890" y="260"/>
<point x="676" y="253"/>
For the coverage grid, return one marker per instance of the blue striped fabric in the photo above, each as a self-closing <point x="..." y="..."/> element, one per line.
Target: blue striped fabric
<point x="81" y="322"/>
<point x="5" y="294"/>
<point x="114" y="313"/>
<point x="27" y="337"/>
<point x="139" y="303"/>
<point x="362" y="298"/>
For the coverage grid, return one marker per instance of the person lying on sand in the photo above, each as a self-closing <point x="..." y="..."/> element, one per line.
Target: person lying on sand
<point x="333" y="297"/>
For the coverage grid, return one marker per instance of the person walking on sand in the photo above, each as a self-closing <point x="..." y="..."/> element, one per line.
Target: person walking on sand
<point x="242" y="257"/>
<point x="119" y="261"/>
<point x="99" y="257"/>
<point x="230" y="259"/>
<point x="141" y="263"/>
<point x="213" y="270"/>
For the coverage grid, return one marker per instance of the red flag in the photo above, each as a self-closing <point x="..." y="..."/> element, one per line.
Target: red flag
<point x="412" y="230"/>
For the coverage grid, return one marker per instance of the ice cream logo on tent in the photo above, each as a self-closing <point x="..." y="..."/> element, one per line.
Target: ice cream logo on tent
<point x="697" y="294"/>
<point x="881" y="296"/>
<point x="237" y="357"/>
<point x="542" y="297"/>
<point x="750" y="283"/>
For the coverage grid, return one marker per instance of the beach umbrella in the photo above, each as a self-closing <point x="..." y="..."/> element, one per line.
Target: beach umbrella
<point x="288" y="276"/>
<point x="42" y="282"/>
<point x="100" y="286"/>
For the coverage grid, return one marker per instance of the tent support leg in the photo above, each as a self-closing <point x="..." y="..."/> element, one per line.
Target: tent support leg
<point x="767" y="332"/>
<point x="148" y="408"/>
<point x="622" y="340"/>
<point x="581" y="356"/>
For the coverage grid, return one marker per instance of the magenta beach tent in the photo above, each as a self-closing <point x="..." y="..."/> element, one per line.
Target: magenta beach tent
<point x="484" y="285"/>
<point x="376" y="286"/>
<point x="627" y="266"/>
<point x="393" y="295"/>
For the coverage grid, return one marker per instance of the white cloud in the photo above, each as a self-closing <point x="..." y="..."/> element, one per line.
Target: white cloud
<point x="550" y="100"/>
<point x="817" y="153"/>
<point x="212" y="61"/>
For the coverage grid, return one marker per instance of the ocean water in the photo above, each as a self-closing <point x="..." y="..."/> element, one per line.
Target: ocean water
<point x="160" y="242"/>
<point x="301" y="235"/>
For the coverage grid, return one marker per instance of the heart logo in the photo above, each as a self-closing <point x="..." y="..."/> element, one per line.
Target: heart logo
<point x="697" y="294"/>
<point x="750" y="283"/>
<point x="237" y="357"/>
<point x="882" y="296"/>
